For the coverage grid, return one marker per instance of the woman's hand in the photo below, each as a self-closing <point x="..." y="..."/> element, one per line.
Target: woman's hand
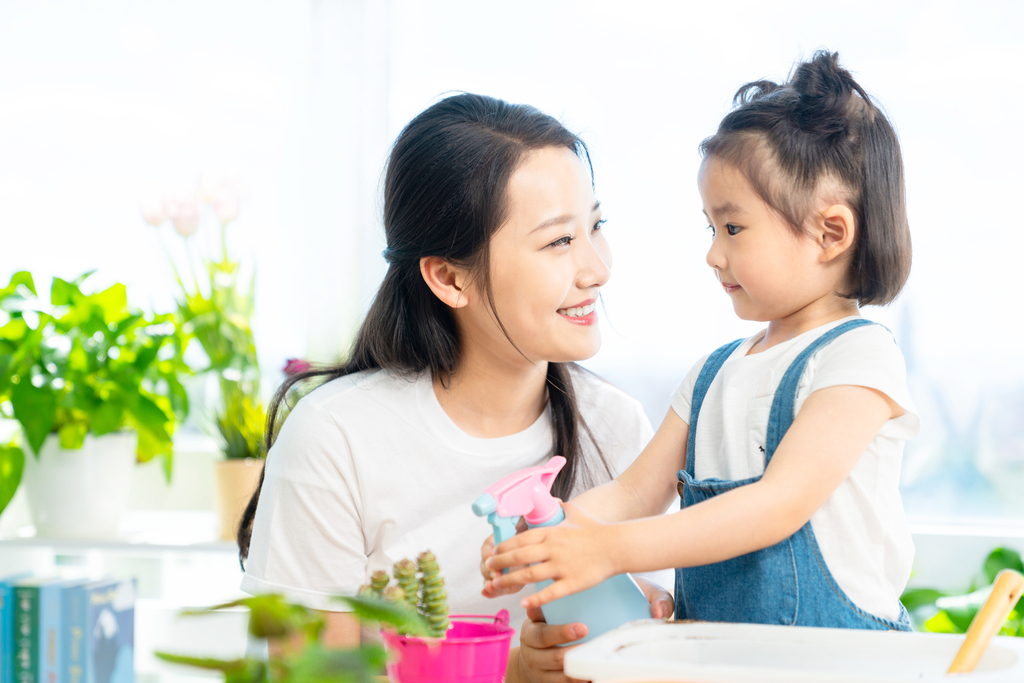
<point x="577" y="554"/>
<point x="540" y="659"/>
<point x="486" y="551"/>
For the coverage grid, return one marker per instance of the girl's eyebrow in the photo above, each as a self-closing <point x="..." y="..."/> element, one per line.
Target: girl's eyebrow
<point x="728" y="207"/>
<point x="564" y="218"/>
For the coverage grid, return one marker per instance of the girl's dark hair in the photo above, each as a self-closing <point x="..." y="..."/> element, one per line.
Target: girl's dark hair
<point x="820" y="127"/>
<point x="444" y="195"/>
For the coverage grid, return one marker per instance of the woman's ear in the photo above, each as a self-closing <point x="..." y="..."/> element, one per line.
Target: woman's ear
<point x="835" y="231"/>
<point x="446" y="280"/>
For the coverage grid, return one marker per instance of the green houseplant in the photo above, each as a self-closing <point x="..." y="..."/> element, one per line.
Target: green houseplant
<point x="215" y="307"/>
<point x="77" y="368"/>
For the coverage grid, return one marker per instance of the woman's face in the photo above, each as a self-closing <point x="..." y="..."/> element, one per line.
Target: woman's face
<point x="548" y="262"/>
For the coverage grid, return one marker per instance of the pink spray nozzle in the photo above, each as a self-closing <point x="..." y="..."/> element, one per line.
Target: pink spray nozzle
<point x="527" y="493"/>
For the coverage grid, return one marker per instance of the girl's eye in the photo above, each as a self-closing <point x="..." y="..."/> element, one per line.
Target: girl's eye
<point x="600" y="224"/>
<point x="712" y="229"/>
<point x="562" y="241"/>
<point x="732" y="229"/>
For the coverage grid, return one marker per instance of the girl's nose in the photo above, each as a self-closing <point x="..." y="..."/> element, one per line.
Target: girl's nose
<point x="716" y="255"/>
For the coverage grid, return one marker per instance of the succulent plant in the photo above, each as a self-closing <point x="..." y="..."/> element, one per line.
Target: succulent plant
<point x="379" y="580"/>
<point x="434" y="598"/>
<point x="405" y="576"/>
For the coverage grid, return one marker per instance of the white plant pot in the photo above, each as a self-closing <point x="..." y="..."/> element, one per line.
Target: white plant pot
<point x="80" y="493"/>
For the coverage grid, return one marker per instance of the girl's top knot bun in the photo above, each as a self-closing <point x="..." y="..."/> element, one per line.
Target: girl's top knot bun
<point x="824" y="91"/>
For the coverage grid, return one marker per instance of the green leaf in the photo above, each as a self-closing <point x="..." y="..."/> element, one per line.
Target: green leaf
<point x="64" y="293"/>
<point x="12" y="463"/>
<point x="317" y="664"/>
<point x="270" y="616"/>
<point x="108" y="415"/>
<point x="72" y="435"/>
<point x="919" y="597"/>
<point x="1000" y="559"/>
<point x="406" y="620"/>
<point x="78" y="359"/>
<point x="235" y="670"/>
<point x="941" y="623"/>
<point x="36" y="409"/>
<point x="22" y="277"/>
<point x="113" y="301"/>
<point x="14" y="330"/>
<point x="147" y="355"/>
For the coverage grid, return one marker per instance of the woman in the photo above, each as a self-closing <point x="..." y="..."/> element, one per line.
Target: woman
<point x="461" y="373"/>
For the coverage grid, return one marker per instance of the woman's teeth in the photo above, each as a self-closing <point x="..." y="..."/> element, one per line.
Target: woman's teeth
<point x="578" y="311"/>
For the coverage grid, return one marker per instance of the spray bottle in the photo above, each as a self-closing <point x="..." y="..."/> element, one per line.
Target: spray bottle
<point x="527" y="494"/>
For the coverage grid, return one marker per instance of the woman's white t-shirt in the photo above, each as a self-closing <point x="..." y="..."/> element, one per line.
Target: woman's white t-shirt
<point x="369" y="469"/>
<point x="861" y="529"/>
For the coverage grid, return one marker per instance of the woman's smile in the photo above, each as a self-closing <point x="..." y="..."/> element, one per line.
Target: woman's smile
<point x="583" y="313"/>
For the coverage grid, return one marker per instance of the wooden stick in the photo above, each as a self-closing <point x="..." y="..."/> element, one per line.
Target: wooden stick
<point x="1006" y="591"/>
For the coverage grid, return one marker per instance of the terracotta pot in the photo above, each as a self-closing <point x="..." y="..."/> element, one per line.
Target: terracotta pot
<point x="80" y="493"/>
<point x="236" y="481"/>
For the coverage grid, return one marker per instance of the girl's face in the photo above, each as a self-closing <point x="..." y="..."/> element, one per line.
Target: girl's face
<point x="548" y="262"/>
<point x="767" y="270"/>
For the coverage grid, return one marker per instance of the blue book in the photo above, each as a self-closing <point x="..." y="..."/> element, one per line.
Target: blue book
<point x="49" y="631"/>
<point x="72" y="643"/>
<point x="109" y="634"/>
<point x="30" y="639"/>
<point x="7" y="625"/>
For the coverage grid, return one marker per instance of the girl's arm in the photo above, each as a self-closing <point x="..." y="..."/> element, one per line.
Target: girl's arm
<point x="828" y="436"/>
<point x="648" y="486"/>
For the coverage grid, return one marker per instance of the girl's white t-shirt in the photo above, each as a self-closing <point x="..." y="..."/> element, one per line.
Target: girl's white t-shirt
<point x="861" y="529"/>
<point x="369" y="469"/>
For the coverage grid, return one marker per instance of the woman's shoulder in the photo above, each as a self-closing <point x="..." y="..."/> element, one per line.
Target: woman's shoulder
<point x="368" y="390"/>
<point x="607" y="409"/>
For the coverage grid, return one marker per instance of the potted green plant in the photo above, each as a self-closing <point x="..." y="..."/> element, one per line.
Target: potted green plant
<point x="95" y="386"/>
<point x="215" y="307"/>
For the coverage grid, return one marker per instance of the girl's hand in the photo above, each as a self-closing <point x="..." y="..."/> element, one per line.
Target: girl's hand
<point x="486" y="551"/>
<point x="663" y="605"/>
<point x="577" y="554"/>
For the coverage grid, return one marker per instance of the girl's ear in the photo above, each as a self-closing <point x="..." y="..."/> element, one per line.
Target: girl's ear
<point x="835" y="231"/>
<point x="446" y="280"/>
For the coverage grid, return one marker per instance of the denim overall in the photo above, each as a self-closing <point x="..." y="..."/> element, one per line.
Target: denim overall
<point x="787" y="583"/>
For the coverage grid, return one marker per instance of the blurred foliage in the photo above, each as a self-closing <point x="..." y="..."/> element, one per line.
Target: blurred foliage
<point x="86" y="363"/>
<point x="950" y="612"/>
<point x="306" y="660"/>
<point x="216" y="310"/>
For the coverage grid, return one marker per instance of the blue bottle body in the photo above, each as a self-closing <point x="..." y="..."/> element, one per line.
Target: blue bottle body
<point x="606" y="606"/>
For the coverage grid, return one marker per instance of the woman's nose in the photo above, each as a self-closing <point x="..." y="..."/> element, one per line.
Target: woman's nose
<point x="595" y="261"/>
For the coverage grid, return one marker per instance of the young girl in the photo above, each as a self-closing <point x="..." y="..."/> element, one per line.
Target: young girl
<point x="787" y="444"/>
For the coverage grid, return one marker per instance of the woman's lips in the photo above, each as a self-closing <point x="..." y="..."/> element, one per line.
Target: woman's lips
<point x="585" y="314"/>
<point x="729" y="289"/>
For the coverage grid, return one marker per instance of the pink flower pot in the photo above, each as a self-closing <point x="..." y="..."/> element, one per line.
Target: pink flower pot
<point x="469" y="652"/>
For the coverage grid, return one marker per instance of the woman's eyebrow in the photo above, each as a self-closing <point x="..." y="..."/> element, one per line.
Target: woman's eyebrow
<point x="564" y="218"/>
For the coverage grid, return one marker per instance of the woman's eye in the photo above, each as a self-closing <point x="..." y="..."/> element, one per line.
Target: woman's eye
<point x="732" y="229"/>
<point x="600" y="224"/>
<point x="562" y="241"/>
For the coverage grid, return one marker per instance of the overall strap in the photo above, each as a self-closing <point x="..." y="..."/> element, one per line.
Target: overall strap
<point x="783" y="405"/>
<point x="700" y="389"/>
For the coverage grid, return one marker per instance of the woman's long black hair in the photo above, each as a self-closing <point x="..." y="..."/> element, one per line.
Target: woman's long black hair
<point x="444" y="195"/>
